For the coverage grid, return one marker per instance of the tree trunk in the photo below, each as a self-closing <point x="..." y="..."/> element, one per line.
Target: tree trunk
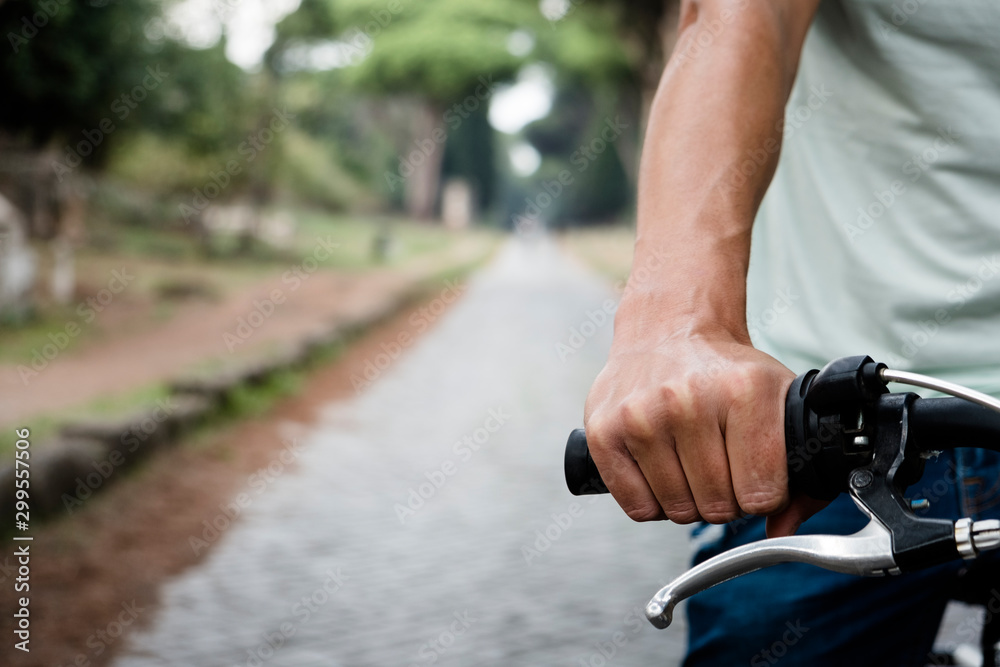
<point x="424" y="159"/>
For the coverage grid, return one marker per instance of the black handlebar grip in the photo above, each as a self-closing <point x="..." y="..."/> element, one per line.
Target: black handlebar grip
<point x="582" y="476"/>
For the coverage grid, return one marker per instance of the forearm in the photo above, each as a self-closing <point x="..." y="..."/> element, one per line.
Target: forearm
<point x="710" y="151"/>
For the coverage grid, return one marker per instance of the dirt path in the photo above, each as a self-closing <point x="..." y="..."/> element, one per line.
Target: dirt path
<point x="202" y="332"/>
<point x="96" y="575"/>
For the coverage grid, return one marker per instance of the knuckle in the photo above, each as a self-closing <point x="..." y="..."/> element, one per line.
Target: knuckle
<point x="599" y="430"/>
<point x="748" y="384"/>
<point x="742" y="383"/>
<point x="679" y="401"/>
<point x="644" y="512"/>
<point x="719" y="512"/>
<point x="683" y="513"/>
<point x="635" y="421"/>
<point x="762" y="501"/>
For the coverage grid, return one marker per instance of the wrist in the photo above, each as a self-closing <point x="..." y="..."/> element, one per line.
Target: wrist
<point x="688" y="293"/>
<point x="654" y="319"/>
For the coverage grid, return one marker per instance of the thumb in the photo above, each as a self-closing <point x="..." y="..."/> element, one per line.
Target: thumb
<point x="788" y="520"/>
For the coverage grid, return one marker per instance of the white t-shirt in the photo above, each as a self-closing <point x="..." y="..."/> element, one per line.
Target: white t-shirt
<point x="880" y="233"/>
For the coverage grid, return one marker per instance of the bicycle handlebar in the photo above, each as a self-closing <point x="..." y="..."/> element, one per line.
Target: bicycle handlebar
<point x="934" y="424"/>
<point x="845" y="433"/>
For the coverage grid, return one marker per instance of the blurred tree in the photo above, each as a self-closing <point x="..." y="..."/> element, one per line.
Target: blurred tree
<point x="602" y="189"/>
<point x="447" y="55"/>
<point x="314" y="19"/>
<point x="470" y="154"/>
<point x="649" y="31"/>
<point x="558" y="134"/>
<point x="597" y="82"/>
<point x="443" y="58"/>
<point x="582" y="135"/>
<point x="353" y="139"/>
<point x="207" y="104"/>
<point x="68" y="62"/>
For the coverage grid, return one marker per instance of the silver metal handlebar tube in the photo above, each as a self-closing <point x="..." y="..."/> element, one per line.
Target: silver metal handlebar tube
<point x="945" y="387"/>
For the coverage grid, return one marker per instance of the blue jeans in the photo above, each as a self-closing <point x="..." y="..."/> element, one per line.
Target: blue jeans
<point x="798" y="614"/>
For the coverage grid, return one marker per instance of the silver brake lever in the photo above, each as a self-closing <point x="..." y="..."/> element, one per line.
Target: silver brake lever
<point x="867" y="552"/>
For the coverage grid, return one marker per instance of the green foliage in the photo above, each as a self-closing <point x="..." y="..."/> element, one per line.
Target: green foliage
<point x="145" y="157"/>
<point x="599" y="194"/>
<point x="254" y="400"/>
<point x="90" y="64"/>
<point x="601" y="189"/>
<point x="355" y="132"/>
<point x="436" y="63"/>
<point x="585" y="49"/>
<point x="207" y="103"/>
<point x="638" y="24"/>
<point x="311" y="172"/>
<point x="314" y="19"/>
<point x="71" y="60"/>
<point x="68" y="61"/>
<point x="557" y="135"/>
<point x="436" y="49"/>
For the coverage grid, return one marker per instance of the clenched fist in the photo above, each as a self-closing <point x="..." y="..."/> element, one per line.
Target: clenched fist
<point x="691" y="427"/>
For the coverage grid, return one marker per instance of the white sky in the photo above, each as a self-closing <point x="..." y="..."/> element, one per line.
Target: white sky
<point x="249" y="25"/>
<point x="524" y="159"/>
<point x="527" y="100"/>
<point x="554" y="10"/>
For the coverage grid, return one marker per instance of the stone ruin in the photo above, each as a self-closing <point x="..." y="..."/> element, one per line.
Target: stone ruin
<point x="18" y="262"/>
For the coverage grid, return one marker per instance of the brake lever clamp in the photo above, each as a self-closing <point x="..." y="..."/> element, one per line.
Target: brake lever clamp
<point x="845" y="432"/>
<point x="848" y="433"/>
<point x="830" y="424"/>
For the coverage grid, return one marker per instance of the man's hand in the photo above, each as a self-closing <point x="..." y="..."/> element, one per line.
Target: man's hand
<point x="686" y="420"/>
<point x="691" y="428"/>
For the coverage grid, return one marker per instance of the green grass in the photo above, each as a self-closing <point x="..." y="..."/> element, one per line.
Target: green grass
<point x="19" y="343"/>
<point x="355" y="238"/>
<point x="134" y="240"/>
<point x="255" y="400"/>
